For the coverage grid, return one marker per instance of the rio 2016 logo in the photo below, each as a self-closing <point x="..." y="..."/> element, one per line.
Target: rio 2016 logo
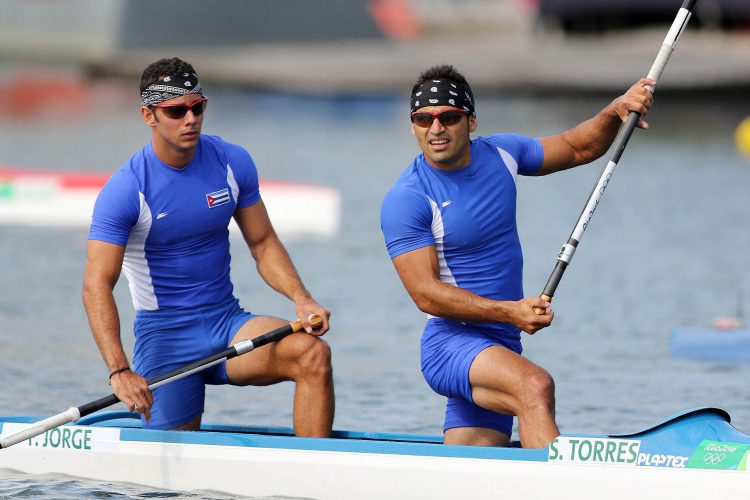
<point x="713" y="458"/>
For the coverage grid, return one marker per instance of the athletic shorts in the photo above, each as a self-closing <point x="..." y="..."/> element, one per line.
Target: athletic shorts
<point x="169" y="339"/>
<point x="448" y="350"/>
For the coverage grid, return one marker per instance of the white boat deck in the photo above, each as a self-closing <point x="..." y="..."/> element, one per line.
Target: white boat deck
<point x="696" y="454"/>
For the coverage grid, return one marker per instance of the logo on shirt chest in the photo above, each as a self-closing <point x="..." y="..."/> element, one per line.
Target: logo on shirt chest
<point x="217" y="198"/>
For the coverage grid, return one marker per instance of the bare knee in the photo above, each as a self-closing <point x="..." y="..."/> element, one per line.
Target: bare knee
<point x="539" y="390"/>
<point x="314" y="360"/>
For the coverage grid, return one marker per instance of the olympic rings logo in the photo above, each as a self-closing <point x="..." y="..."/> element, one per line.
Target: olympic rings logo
<point x="713" y="458"/>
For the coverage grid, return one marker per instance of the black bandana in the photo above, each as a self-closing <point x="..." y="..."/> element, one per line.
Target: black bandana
<point x="443" y="93"/>
<point x="170" y="87"/>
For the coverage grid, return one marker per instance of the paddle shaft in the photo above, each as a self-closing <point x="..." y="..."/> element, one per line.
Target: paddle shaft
<point x="74" y="413"/>
<point x="621" y="140"/>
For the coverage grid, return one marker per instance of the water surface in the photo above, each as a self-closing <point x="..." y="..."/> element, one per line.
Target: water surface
<point x="667" y="248"/>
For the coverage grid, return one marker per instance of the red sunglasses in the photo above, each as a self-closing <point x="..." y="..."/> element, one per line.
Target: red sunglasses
<point x="447" y="118"/>
<point x="177" y="111"/>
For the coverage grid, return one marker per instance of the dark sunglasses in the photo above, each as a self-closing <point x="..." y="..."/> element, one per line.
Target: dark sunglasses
<point x="447" y="118"/>
<point x="177" y="111"/>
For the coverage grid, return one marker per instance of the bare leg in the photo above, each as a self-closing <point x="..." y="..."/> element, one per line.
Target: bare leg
<point x="506" y="382"/>
<point x="301" y="358"/>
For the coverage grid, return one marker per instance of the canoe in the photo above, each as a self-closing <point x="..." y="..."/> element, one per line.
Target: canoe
<point x="723" y="345"/>
<point x="693" y="454"/>
<point x="50" y="198"/>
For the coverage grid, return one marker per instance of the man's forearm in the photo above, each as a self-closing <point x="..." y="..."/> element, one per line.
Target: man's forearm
<point x="592" y="138"/>
<point x="277" y="270"/>
<point x="448" y="301"/>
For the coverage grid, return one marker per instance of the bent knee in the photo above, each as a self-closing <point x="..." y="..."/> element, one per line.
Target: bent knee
<point x="540" y="387"/>
<point x="314" y="358"/>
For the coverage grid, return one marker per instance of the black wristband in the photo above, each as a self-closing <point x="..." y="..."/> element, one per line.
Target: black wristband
<point x="119" y="370"/>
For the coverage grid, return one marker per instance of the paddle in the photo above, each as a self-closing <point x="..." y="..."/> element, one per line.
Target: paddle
<point x="74" y="413"/>
<point x="569" y="248"/>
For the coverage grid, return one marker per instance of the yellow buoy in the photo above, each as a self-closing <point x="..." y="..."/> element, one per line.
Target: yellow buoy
<point x="742" y="137"/>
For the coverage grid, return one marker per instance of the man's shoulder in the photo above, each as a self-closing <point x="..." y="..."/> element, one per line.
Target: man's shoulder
<point x="407" y="182"/>
<point x="120" y="194"/>
<point x="228" y="152"/>
<point x="504" y="140"/>
<point x="132" y="171"/>
<point x="407" y="191"/>
<point x="216" y="142"/>
<point x="410" y="176"/>
<point x="523" y="152"/>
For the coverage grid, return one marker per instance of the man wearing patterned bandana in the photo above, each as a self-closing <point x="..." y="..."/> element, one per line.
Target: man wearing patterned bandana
<point x="449" y="224"/>
<point x="163" y="219"/>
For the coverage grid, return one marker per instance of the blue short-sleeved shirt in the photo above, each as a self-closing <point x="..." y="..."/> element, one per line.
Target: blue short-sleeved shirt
<point x="469" y="215"/>
<point x="173" y="223"/>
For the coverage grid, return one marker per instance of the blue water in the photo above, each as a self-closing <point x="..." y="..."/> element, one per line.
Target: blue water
<point x="667" y="248"/>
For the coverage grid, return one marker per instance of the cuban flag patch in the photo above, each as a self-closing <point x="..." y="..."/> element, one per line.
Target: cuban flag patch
<point x="217" y="198"/>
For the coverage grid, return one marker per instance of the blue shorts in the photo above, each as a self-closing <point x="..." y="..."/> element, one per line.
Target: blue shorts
<point x="169" y="339"/>
<point x="448" y="350"/>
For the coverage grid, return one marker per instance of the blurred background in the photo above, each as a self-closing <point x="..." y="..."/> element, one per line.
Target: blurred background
<point x="355" y="46"/>
<point x="317" y="91"/>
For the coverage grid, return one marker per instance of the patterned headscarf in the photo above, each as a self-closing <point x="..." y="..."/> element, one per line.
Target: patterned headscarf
<point x="443" y="93"/>
<point x="169" y="87"/>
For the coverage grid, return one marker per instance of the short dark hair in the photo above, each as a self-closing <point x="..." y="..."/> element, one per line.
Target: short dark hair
<point x="164" y="67"/>
<point x="441" y="72"/>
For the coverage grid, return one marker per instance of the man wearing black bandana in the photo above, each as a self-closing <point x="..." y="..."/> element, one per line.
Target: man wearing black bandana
<point x="449" y="224"/>
<point x="163" y="219"/>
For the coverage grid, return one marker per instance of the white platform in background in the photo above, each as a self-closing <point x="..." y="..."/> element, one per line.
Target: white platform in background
<point x="45" y="198"/>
